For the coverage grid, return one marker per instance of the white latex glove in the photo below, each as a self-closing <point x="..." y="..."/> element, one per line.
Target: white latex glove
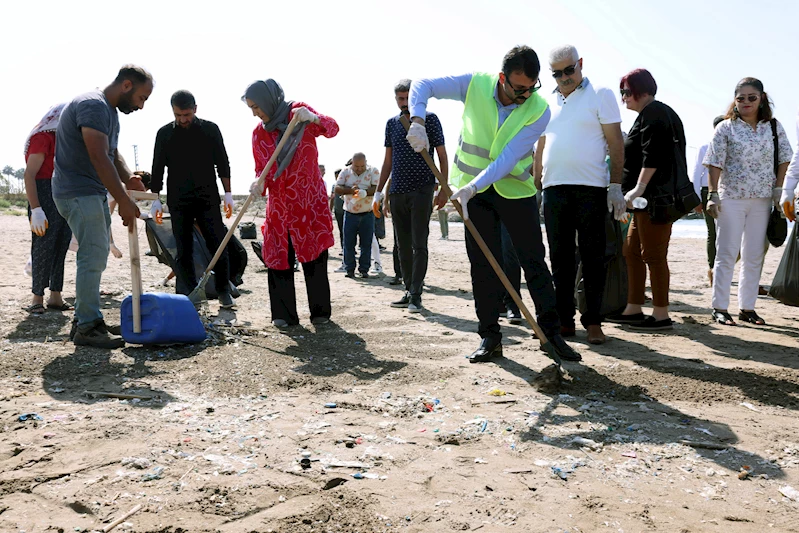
<point x="303" y="114"/>
<point x="787" y="203"/>
<point x="776" y="194"/>
<point x="257" y="188"/>
<point x="463" y="195"/>
<point x="39" y="221"/>
<point x="378" y="198"/>
<point x="636" y="192"/>
<point x="228" y="204"/>
<point x="713" y="204"/>
<point x="616" y="203"/>
<point x="156" y="209"/>
<point x="417" y="137"/>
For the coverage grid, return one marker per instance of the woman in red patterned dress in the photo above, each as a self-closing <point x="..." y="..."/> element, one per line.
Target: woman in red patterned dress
<point x="298" y="218"/>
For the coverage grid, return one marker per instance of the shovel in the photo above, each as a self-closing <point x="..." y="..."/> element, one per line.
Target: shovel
<point x="198" y="295"/>
<point x="550" y="377"/>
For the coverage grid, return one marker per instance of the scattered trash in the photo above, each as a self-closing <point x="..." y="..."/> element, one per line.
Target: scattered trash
<point x="29" y="416"/>
<point x="496" y="392"/>
<point x="333" y="483"/>
<point x="587" y="443"/>
<point x="559" y="472"/>
<point x="749" y="406"/>
<point x="629" y="454"/>
<point x="157" y="473"/>
<point x="142" y="463"/>
<point x="305" y="463"/>
<point x="745" y="472"/>
<point x="790" y="493"/>
<point x="703" y="444"/>
<point x="330" y="405"/>
<point x="481" y="461"/>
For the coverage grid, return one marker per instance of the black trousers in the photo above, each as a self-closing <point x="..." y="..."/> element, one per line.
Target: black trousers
<point x="520" y="217"/>
<point x="411" y="212"/>
<point x="395" y="255"/>
<point x="510" y="265"/>
<point x="49" y="252"/>
<point x="577" y="212"/>
<point x="710" y="222"/>
<point x="282" y="295"/>
<point x="208" y="218"/>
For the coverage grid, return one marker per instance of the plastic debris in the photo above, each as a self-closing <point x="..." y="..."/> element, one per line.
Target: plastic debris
<point x="496" y="392"/>
<point x="330" y="405"/>
<point x="29" y="416"/>
<point x="142" y="463"/>
<point x="559" y="472"/>
<point x="587" y="443"/>
<point x="749" y="406"/>
<point x="790" y="493"/>
<point x="157" y="473"/>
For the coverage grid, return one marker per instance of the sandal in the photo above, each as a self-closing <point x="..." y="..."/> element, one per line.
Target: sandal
<point x="63" y="306"/>
<point x="723" y="318"/>
<point x="751" y="317"/>
<point x="35" y="309"/>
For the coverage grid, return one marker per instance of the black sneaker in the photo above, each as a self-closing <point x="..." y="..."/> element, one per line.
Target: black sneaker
<point x="402" y="302"/>
<point x="363" y="275"/>
<point x="226" y="301"/>
<point x="396" y="280"/>
<point x="104" y="328"/>
<point x="98" y="338"/>
<point x="488" y="350"/>
<point x="514" y="316"/>
<point x="415" y="305"/>
<point x="350" y="275"/>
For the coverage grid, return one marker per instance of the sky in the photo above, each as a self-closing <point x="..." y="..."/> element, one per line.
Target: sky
<point x="343" y="59"/>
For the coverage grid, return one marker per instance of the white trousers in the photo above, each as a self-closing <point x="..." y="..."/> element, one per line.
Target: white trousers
<point x="740" y="228"/>
<point x="376" y="252"/>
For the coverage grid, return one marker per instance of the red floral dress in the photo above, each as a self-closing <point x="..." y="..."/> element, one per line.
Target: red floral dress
<point x="297" y="201"/>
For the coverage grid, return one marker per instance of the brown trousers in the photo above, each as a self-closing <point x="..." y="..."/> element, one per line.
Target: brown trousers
<point x="647" y="245"/>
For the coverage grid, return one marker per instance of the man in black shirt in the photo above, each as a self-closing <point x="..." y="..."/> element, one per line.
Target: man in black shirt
<point x="194" y="151"/>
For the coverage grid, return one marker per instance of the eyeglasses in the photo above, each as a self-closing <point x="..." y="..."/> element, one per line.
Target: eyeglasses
<point x="751" y="98"/>
<point x="519" y="92"/>
<point x="626" y="92"/>
<point x="557" y="74"/>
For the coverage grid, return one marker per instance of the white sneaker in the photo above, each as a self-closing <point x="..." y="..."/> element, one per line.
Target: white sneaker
<point x="342" y="268"/>
<point x="376" y="269"/>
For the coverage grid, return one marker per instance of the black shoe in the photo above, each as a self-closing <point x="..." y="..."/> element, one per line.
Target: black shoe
<point x="625" y="319"/>
<point x="363" y="275"/>
<point x="402" y="302"/>
<point x="651" y="324"/>
<point x="396" y="280"/>
<point x="381" y="247"/>
<point x="350" y="275"/>
<point x="488" y="350"/>
<point x="415" y="305"/>
<point x="514" y="316"/>
<point x="98" y="338"/>
<point x="226" y="301"/>
<point x="112" y="330"/>
<point x="563" y="350"/>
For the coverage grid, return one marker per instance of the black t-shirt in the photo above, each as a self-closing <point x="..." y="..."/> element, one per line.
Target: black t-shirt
<point x="650" y="144"/>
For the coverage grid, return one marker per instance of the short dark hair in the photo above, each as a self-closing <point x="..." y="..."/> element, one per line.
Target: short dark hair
<point x="402" y="86"/>
<point x="183" y="99"/>
<point x="640" y="82"/>
<point x="145" y="176"/>
<point x="521" y="59"/>
<point x="764" y="113"/>
<point x="718" y="120"/>
<point x="337" y="172"/>
<point x="134" y="74"/>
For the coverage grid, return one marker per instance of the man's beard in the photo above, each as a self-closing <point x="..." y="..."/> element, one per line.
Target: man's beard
<point x="125" y="104"/>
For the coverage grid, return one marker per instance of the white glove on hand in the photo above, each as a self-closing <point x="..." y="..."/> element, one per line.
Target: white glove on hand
<point x="156" y="209"/>
<point x="787" y="203"/>
<point x="636" y="192"/>
<point x="378" y="198"/>
<point x="713" y="205"/>
<point x="417" y="137"/>
<point x="39" y="221"/>
<point x="228" y="204"/>
<point x="303" y="114"/>
<point x="776" y="194"/>
<point x="616" y="203"/>
<point x="463" y="195"/>
<point x="257" y="188"/>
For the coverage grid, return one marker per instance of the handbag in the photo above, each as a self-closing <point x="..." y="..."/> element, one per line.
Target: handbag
<point x="671" y="201"/>
<point x="777" y="230"/>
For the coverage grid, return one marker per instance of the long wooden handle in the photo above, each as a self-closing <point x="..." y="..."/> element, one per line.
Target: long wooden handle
<point x="135" y="276"/>
<point x="481" y="243"/>
<point x="251" y="197"/>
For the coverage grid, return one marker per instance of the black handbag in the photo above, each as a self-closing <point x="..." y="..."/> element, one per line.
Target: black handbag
<point x="676" y="198"/>
<point x="777" y="230"/>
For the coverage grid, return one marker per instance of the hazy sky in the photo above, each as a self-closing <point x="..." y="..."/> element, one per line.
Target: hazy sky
<point x="343" y="58"/>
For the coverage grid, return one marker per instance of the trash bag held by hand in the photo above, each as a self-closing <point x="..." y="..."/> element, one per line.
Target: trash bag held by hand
<point x="785" y="286"/>
<point x="777" y="230"/>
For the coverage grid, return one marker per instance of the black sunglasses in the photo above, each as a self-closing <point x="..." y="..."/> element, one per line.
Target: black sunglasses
<point x="751" y="98"/>
<point x="519" y="92"/>
<point x="557" y="74"/>
<point x="626" y="92"/>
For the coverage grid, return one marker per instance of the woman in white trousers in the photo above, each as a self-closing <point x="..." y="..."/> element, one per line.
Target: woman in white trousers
<point x="744" y="181"/>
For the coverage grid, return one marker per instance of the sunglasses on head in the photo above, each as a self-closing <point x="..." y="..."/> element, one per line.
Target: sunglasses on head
<point x="751" y="98"/>
<point x="519" y="92"/>
<point x="626" y="92"/>
<point x="568" y="71"/>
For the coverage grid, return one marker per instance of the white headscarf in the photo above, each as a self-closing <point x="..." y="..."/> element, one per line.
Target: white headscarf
<point x="49" y="122"/>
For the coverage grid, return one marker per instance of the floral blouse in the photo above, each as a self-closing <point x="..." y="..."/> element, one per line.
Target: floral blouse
<point x="746" y="158"/>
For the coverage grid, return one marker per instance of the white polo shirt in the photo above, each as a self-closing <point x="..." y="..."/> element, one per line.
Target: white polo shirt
<point x="575" y="147"/>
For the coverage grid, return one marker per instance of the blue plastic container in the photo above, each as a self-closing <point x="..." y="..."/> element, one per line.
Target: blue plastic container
<point x="165" y="319"/>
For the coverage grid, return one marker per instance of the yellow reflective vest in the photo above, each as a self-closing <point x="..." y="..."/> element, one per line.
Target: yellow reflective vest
<point x="482" y="139"/>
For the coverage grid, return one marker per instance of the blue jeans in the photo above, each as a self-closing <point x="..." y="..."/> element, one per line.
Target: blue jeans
<point x="358" y="225"/>
<point x="90" y="220"/>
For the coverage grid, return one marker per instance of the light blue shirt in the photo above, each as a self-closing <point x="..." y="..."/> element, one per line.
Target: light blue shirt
<point x="455" y="88"/>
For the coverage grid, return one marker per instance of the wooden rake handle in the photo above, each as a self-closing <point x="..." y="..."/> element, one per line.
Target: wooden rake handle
<point x="481" y="243"/>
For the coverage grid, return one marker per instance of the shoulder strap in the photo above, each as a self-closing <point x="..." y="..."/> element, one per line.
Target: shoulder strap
<point x="776" y="145"/>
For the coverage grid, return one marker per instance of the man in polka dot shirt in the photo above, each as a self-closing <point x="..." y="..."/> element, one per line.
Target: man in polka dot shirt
<point x="411" y="194"/>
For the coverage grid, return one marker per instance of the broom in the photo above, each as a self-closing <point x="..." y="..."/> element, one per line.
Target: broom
<point x="551" y="377"/>
<point x="198" y="295"/>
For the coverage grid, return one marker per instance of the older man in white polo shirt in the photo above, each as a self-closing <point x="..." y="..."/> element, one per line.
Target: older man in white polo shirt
<point x="570" y="166"/>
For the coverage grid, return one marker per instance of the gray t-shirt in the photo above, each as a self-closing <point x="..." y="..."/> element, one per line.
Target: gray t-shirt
<point x="74" y="174"/>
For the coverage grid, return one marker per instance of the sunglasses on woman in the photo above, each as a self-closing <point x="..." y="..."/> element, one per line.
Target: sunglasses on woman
<point x="557" y="74"/>
<point x="751" y="98"/>
<point x="626" y="92"/>
<point x="519" y="92"/>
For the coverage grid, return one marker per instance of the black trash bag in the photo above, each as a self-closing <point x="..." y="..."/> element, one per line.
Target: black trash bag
<point x="162" y="244"/>
<point x="247" y="230"/>
<point x="614" y="298"/>
<point x="777" y="229"/>
<point x="257" y="247"/>
<point x="785" y="286"/>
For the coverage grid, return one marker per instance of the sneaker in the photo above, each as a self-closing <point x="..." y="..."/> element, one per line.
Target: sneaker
<point x="98" y="338"/>
<point x="350" y="275"/>
<point x="102" y="326"/>
<point x="226" y="301"/>
<point x="415" y="306"/>
<point x="514" y="317"/>
<point x="402" y="302"/>
<point x="396" y="280"/>
<point x="280" y="323"/>
<point x="443" y="238"/>
<point x="377" y="269"/>
<point x="342" y="268"/>
<point x="363" y="275"/>
<point x="320" y="320"/>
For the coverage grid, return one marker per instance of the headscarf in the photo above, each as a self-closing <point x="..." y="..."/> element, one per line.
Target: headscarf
<point x="49" y="122"/>
<point x="268" y="95"/>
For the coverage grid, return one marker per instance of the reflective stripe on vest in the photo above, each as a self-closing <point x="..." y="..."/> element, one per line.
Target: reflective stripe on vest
<point x="482" y="139"/>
